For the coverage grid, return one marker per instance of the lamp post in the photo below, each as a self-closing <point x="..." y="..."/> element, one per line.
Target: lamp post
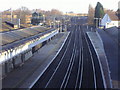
<point x="1" y="20"/>
<point x="99" y="22"/>
<point x="57" y="24"/>
<point x="19" y="20"/>
<point x="50" y="24"/>
<point x="54" y="22"/>
<point x="61" y="26"/>
<point x="11" y="14"/>
<point x="44" y="19"/>
<point x="19" y="23"/>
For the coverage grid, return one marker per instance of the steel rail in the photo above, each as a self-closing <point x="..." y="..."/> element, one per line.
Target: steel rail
<point x="93" y="66"/>
<point x="69" y="67"/>
<point x="81" y="76"/>
<point x="49" y="63"/>
<point x="84" y="37"/>
<point x="59" y="63"/>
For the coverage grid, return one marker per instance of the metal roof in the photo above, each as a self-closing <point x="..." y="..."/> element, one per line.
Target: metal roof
<point x="22" y="41"/>
<point x="12" y="36"/>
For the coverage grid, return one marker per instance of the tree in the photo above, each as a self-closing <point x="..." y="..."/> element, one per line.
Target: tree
<point x="36" y="18"/>
<point x="91" y="12"/>
<point x="118" y="13"/>
<point x="99" y="12"/>
<point x="21" y="14"/>
<point x="56" y="12"/>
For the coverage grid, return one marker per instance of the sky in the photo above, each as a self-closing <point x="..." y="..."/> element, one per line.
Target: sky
<point x="77" y="6"/>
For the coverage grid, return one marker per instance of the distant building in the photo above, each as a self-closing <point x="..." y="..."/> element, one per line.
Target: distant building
<point x="82" y="14"/>
<point x="76" y="14"/>
<point x="7" y="17"/>
<point x="110" y="19"/>
<point x="12" y="24"/>
<point x="28" y="19"/>
<point x="37" y="18"/>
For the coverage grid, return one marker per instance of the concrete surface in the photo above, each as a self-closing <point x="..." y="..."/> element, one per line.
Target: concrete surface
<point x="113" y="55"/>
<point x="99" y="49"/>
<point x="26" y="74"/>
<point x="113" y="32"/>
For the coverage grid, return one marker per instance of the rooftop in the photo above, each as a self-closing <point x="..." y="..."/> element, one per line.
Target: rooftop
<point x="11" y="38"/>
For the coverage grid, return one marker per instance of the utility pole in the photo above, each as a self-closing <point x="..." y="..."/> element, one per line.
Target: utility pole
<point x="1" y="21"/>
<point x="11" y="14"/>
<point x="50" y="24"/>
<point x="54" y="22"/>
<point x="61" y="26"/>
<point x="19" y="22"/>
<point x="44" y="20"/>
<point x="58" y="25"/>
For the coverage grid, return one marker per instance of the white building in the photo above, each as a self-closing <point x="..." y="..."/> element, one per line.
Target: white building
<point x="110" y="19"/>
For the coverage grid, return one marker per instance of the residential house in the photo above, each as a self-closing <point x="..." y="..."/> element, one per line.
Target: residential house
<point x="28" y="19"/>
<point x="110" y="19"/>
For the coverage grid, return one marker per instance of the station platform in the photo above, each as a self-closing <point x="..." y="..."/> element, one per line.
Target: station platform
<point x="99" y="49"/>
<point x="110" y="38"/>
<point x="25" y="75"/>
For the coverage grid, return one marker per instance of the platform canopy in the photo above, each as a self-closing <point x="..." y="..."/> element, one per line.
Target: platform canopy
<point x="12" y="36"/>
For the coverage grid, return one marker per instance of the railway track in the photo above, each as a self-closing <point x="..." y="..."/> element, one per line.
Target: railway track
<point x="46" y="78"/>
<point x="98" y="79"/>
<point x="75" y="66"/>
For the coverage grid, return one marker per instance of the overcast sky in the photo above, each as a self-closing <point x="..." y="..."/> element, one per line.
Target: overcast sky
<point x="77" y="6"/>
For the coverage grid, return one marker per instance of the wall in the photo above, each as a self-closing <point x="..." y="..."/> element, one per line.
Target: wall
<point x="106" y="19"/>
<point x="112" y="24"/>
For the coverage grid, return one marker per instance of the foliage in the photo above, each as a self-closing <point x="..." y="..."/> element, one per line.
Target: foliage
<point x="118" y="13"/>
<point x="36" y="18"/>
<point x="99" y="13"/>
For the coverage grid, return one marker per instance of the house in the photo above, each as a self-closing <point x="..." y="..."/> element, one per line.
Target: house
<point x="28" y="19"/>
<point x="110" y="19"/>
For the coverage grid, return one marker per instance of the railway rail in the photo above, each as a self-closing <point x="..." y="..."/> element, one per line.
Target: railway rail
<point x="76" y="65"/>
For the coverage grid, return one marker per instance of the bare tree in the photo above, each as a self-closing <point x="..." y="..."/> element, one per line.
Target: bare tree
<point x="56" y="12"/>
<point x="21" y="14"/>
<point x="91" y="12"/>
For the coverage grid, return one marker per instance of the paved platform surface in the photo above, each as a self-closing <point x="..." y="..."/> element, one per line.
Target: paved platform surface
<point x="112" y="52"/>
<point x="99" y="49"/>
<point x="23" y="76"/>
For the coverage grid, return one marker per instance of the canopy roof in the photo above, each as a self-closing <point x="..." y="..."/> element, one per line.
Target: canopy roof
<point x="12" y="36"/>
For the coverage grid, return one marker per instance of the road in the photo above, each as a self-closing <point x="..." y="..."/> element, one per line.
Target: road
<point x="76" y="65"/>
